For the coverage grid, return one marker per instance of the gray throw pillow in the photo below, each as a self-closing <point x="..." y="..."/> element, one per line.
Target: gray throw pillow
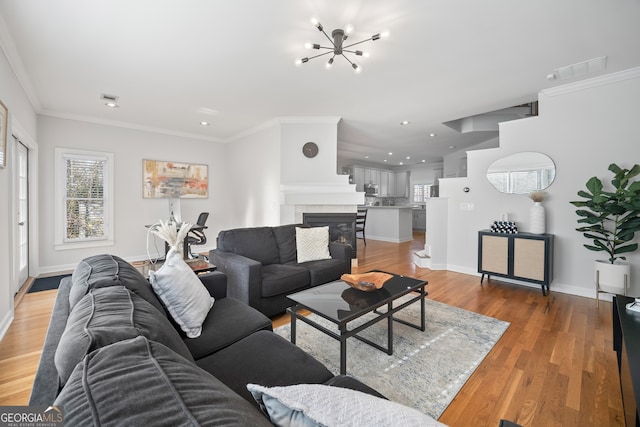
<point x="109" y="315"/>
<point x="310" y="405"/>
<point x="105" y="270"/>
<point x="139" y="382"/>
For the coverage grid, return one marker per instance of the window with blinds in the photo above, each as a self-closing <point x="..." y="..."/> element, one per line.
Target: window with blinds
<point x="84" y="198"/>
<point x="418" y="193"/>
<point x="83" y="213"/>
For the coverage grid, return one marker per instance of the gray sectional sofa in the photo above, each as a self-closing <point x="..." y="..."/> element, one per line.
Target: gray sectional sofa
<point x="262" y="267"/>
<point x="113" y="355"/>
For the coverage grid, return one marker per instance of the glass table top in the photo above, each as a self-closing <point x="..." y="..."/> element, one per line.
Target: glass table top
<point x="339" y="302"/>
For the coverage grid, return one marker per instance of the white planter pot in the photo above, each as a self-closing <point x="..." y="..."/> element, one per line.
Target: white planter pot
<point x="612" y="278"/>
<point x="536" y="219"/>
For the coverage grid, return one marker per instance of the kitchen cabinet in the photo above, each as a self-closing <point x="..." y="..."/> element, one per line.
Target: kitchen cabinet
<point x="419" y="219"/>
<point x="384" y="190"/>
<point x="522" y="256"/>
<point x="358" y="177"/>
<point x="390" y="184"/>
<point x="401" y="184"/>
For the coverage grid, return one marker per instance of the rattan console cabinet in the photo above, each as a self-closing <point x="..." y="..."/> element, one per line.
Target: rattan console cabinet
<point x="521" y="256"/>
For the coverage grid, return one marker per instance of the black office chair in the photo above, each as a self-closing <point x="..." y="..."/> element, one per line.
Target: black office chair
<point x="361" y="221"/>
<point x="197" y="236"/>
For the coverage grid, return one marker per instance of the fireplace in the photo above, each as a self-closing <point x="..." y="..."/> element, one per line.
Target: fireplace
<point x="342" y="227"/>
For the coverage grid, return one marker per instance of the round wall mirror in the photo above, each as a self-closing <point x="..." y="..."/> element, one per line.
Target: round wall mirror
<point x="522" y="173"/>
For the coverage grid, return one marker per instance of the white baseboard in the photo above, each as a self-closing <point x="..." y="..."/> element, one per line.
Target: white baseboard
<point x="553" y="287"/>
<point x="5" y="323"/>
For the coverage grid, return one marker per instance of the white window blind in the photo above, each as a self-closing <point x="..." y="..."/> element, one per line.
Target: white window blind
<point x="85" y="197"/>
<point x="418" y="193"/>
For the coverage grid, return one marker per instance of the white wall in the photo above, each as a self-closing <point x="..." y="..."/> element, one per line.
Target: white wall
<point x="132" y="211"/>
<point x="253" y="162"/>
<point x="296" y="168"/>
<point x="583" y="127"/>
<point x="22" y="115"/>
<point x="423" y="173"/>
<point x="452" y="160"/>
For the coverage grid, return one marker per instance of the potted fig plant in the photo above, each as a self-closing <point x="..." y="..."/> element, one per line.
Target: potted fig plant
<point x="611" y="218"/>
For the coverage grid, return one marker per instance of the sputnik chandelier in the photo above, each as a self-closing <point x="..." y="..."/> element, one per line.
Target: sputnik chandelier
<point x="337" y="48"/>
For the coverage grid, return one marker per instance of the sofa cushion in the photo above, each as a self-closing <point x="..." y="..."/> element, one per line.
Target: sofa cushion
<point x="141" y="382"/>
<point x="108" y="315"/>
<point x="227" y="322"/>
<point x="326" y="270"/>
<point x="278" y="279"/>
<point x="100" y="271"/>
<point x="256" y="243"/>
<point x="312" y="243"/>
<point x="264" y="358"/>
<point x="184" y="295"/>
<point x="285" y="236"/>
<point x="321" y="405"/>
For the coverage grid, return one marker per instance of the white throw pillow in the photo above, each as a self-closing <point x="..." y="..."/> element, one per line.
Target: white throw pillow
<point x="312" y="243"/>
<point x="323" y="405"/>
<point x="184" y="295"/>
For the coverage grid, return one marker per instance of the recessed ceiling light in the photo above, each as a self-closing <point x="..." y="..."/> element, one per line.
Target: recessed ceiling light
<point x="405" y="122"/>
<point x="408" y="157"/>
<point x="424" y="161"/>
<point x="111" y="105"/>
<point x="451" y="147"/>
<point x="390" y="153"/>
<point x="401" y="163"/>
<point x="385" y="160"/>
<point x="203" y="123"/>
<point x="433" y="135"/>
<point x="366" y="157"/>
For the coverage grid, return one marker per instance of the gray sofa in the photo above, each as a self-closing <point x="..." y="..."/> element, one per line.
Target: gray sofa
<point x="113" y="356"/>
<point x="262" y="269"/>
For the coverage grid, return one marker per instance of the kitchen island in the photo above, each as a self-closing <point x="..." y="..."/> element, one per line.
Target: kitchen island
<point x="389" y="223"/>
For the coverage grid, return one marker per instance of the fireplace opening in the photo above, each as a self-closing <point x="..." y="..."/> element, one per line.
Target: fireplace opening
<point x="342" y="227"/>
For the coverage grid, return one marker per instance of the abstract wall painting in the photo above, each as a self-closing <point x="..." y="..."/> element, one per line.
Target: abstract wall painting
<point x="171" y="180"/>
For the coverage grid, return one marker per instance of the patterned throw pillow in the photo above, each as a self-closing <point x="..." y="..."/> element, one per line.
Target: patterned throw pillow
<point x="322" y="405"/>
<point x="312" y="243"/>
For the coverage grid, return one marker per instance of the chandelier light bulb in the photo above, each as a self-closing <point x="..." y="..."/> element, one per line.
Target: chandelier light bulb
<point x="384" y="34"/>
<point x="329" y="64"/>
<point x="356" y="68"/>
<point x="308" y="45"/>
<point x="348" y="29"/>
<point x="314" y="21"/>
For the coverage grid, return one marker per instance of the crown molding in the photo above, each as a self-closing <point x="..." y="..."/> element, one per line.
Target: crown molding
<point x="631" y="73"/>
<point x="126" y="125"/>
<point x="11" y="53"/>
<point x="284" y="121"/>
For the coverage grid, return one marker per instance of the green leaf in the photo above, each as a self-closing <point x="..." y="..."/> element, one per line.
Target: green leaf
<point x="594" y="185"/>
<point x="628" y="248"/>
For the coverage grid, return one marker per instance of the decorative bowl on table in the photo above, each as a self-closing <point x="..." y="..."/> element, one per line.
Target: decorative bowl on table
<point x="366" y="282"/>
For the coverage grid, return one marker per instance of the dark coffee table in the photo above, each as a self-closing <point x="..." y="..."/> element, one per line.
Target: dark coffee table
<point x="340" y="304"/>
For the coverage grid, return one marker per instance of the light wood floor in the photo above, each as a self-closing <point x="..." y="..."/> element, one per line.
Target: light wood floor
<point x="554" y="366"/>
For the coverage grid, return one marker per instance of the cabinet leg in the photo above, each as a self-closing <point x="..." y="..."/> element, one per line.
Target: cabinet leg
<point x="482" y="278"/>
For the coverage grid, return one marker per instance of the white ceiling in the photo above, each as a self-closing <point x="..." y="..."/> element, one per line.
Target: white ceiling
<point x="170" y="60"/>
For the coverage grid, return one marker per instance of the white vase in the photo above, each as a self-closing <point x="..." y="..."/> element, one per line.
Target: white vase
<point x="536" y="219"/>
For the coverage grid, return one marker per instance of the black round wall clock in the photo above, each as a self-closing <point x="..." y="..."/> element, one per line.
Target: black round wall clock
<point x="310" y="149"/>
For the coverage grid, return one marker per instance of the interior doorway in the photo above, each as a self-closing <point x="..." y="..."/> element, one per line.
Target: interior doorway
<point x="21" y="218"/>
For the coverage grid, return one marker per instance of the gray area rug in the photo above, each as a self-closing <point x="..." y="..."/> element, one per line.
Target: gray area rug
<point x="427" y="369"/>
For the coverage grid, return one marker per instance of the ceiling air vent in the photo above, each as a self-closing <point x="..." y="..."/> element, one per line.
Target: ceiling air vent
<point x="111" y="98"/>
